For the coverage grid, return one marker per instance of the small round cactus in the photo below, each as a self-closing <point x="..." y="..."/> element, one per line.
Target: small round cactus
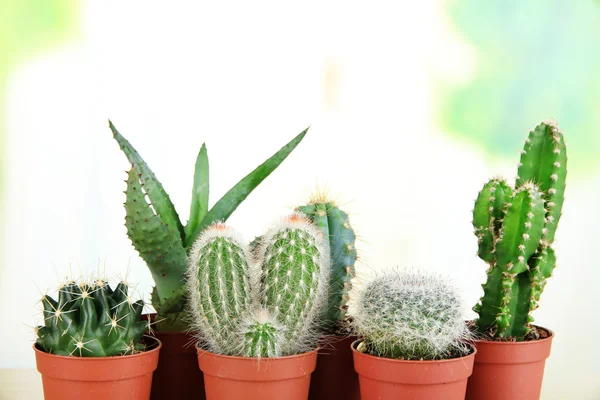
<point x="408" y="315"/>
<point x="262" y="335"/>
<point x="89" y="319"/>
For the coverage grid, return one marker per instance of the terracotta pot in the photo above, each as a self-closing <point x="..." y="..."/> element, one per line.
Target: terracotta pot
<point x="509" y="370"/>
<point x="386" y="378"/>
<point x="228" y="378"/>
<point x="335" y="377"/>
<point x="97" y="378"/>
<point x="177" y="375"/>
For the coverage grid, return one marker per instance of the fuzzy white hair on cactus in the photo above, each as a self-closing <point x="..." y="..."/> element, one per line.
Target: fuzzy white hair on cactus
<point x="292" y="283"/>
<point x="410" y="315"/>
<point x="218" y="266"/>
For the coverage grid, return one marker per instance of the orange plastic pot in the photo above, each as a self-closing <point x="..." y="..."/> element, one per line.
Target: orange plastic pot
<point x="335" y="377"/>
<point x="177" y="375"/>
<point x="385" y="378"/>
<point x="509" y="370"/>
<point x="97" y="378"/>
<point x="227" y="377"/>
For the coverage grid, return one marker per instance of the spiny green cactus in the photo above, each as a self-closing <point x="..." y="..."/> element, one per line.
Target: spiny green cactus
<point x="335" y="226"/>
<point x="515" y="229"/>
<point x="264" y="305"/>
<point x="408" y="315"/>
<point x="262" y="336"/>
<point x="89" y="319"/>
<point x="155" y="230"/>
<point x="293" y="281"/>
<point x="219" y="286"/>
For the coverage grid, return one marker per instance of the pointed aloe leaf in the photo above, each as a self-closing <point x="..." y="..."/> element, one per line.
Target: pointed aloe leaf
<point x="234" y="197"/>
<point x="157" y="195"/>
<point x="160" y="247"/>
<point x="199" y="206"/>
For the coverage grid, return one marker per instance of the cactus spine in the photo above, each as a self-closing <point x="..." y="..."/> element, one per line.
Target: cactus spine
<point x="515" y="229"/>
<point x="408" y="315"/>
<point x="335" y="227"/>
<point x="264" y="305"/>
<point x="89" y="319"/>
<point x="156" y="232"/>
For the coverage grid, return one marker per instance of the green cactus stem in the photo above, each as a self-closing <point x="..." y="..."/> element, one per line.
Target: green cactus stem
<point x="335" y="227"/>
<point x="515" y="233"/>
<point x="89" y="319"/>
<point x="156" y="232"/>
<point x="263" y="336"/>
<point x="293" y="278"/>
<point x="219" y="286"/>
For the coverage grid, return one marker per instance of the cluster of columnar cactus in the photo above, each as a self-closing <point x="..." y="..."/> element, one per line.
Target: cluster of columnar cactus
<point x="156" y="232"/>
<point x="515" y="229"/>
<point x="412" y="316"/>
<point x="89" y="319"/>
<point x="263" y="304"/>
<point x="335" y="226"/>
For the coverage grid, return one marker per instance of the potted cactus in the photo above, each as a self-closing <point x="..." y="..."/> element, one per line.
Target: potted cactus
<point x="335" y="378"/>
<point x="164" y="243"/>
<point x="257" y="311"/>
<point x="415" y="339"/>
<point x="515" y="228"/>
<point x="92" y="344"/>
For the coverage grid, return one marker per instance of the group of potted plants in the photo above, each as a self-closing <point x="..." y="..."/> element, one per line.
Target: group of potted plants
<point x="270" y="319"/>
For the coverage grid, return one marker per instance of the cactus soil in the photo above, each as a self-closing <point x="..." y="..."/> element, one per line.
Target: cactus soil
<point x="386" y="378"/>
<point x="229" y="377"/>
<point x="509" y="369"/>
<point x="98" y="378"/>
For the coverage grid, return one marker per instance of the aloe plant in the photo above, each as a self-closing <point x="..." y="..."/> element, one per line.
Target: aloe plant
<point x="157" y="233"/>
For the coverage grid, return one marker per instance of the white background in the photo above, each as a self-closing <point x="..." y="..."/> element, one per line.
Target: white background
<point x="245" y="78"/>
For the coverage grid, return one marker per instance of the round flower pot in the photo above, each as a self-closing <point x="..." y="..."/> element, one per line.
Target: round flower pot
<point x="509" y="370"/>
<point x="97" y="378"/>
<point x="335" y="377"/>
<point x="177" y="375"/>
<point x="227" y="377"/>
<point x="386" y="378"/>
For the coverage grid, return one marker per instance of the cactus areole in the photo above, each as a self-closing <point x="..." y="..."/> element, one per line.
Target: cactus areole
<point x="515" y="228"/>
<point x="158" y="235"/>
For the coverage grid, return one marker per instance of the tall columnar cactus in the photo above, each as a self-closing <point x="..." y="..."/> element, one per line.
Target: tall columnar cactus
<point x="89" y="319"/>
<point x="335" y="226"/>
<point x="515" y="229"/>
<point x="407" y="315"/>
<point x="219" y="286"/>
<point x="264" y="305"/>
<point x="156" y="232"/>
<point x="294" y="259"/>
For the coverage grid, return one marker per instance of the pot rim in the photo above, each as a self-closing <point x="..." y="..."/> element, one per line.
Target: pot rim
<point x="420" y="362"/>
<point x="521" y="343"/>
<point x="200" y="349"/>
<point x="91" y="359"/>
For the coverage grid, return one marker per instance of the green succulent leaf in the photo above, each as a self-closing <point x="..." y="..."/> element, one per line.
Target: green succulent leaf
<point x="200" y="191"/>
<point x="158" y="245"/>
<point x="156" y="193"/>
<point x="237" y="194"/>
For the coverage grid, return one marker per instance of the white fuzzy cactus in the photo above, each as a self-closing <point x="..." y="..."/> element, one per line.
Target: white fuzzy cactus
<point x="219" y="286"/>
<point x="260" y="305"/>
<point x="408" y="315"/>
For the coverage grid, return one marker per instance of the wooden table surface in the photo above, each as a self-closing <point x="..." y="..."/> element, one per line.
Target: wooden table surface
<point x="20" y="384"/>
